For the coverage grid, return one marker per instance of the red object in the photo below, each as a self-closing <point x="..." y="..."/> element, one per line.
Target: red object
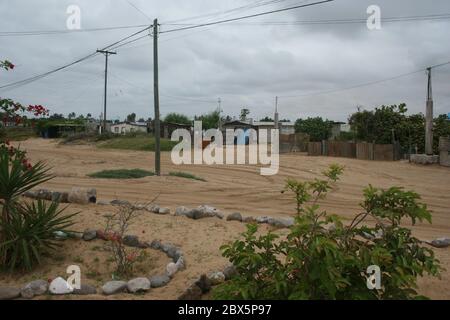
<point x="205" y="143"/>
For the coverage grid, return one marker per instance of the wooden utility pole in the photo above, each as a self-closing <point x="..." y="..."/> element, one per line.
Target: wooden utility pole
<point x="156" y="96"/>
<point x="220" y="113"/>
<point x="276" y="118"/>
<point x="429" y="118"/>
<point x="106" y="53"/>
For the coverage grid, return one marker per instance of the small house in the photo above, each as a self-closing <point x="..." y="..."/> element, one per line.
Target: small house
<point x="129" y="127"/>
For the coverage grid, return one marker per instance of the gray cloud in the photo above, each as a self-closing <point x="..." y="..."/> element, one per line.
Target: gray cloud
<point x="245" y="64"/>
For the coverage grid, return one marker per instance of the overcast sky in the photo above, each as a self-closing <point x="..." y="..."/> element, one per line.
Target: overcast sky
<point x="245" y="64"/>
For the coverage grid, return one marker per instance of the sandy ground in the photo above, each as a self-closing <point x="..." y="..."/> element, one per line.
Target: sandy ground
<point x="236" y="188"/>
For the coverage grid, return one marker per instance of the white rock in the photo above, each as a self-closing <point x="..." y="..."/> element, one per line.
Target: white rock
<point x="153" y="208"/>
<point x="216" y="278"/>
<point x="164" y="211"/>
<point x="263" y="220"/>
<point x="182" y="211"/>
<point x="82" y="196"/>
<point x="181" y="264"/>
<point x="138" y="285"/>
<point x="171" y="269"/>
<point x="60" y="286"/>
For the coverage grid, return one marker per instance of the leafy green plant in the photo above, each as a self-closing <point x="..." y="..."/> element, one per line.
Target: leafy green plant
<point x="26" y="231"/>
<point x="30" y="231"/>
<point x="321" y="258"/>
<point x="305" y="190"/>
<point x="18" y="176"/>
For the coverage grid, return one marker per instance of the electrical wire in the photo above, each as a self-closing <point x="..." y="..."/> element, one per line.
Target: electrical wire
<point x="48" y="73"/>
<point x="58" y="32"/>
<point x="191" y="99"/>
<point x="246" y="17"/>
<point x="366" y="84"/>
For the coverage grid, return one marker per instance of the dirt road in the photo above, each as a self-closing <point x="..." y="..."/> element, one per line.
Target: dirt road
<point x="241" y="189"/>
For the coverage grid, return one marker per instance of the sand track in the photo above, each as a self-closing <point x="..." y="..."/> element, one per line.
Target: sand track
<point x="239" y="188"/>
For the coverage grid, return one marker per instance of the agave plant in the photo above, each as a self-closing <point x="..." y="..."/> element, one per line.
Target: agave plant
<point x="26" y="230"/>
<point x="31" y="231"/>
<point x="17" y="176"/>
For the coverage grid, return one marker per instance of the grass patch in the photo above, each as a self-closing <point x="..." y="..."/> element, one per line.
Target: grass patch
<point x="139" y="142"/>
<point x="186" y="176"/>
<point x="18" y="134"/>
<point x="122" y="174"/>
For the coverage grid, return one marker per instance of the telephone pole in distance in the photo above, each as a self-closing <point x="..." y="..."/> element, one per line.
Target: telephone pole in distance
<point x="106" y="53"/>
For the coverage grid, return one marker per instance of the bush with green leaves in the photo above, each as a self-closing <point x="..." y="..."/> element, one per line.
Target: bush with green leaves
<point x="26" y="230"/>
<point x="322" y="258"/>
<point x="31" y="230"/>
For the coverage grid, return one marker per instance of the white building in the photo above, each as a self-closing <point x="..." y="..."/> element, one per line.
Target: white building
<point x="285" y="127"/>
<point x="129" y="127"/>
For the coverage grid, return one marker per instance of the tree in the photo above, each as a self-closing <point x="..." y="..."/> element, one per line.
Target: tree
<point x="227" y="119"/>
<point x="209" y="120"/>
<point x="178" y="118"/>
<point x="267" y="119"/>
<point x="131" y="117"/>
<point x="72" y="115"/>
<point x="244" y="114"/>
<point x="317" y="128"/>
<point x="56" y="116"/>
<point x="441" y="129"/>
<point x="378" y="125"/>
<point x="141" y="120"/>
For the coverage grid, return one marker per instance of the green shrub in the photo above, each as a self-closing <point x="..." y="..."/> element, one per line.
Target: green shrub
<point x="25" y="230"/>
<point x="321" y="258"/>
<point x="30" y="231"/>
<point x="186" y="176"/>
<point x="122" y="174"/>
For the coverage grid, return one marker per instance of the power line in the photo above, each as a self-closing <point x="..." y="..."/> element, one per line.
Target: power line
<point x="46" y="74"/>
<point x="191" y="99"/>
<point x="129" y="42"/>
<point x="365" y="84"/>
<point x="246" y="17"/>
<point x="38" y="77"/>
<point x="340" y="21"/>
<point x="431" y="17"/>
<point x="139" y="10"/>
<point x="58" y="32"/>
<point x="253" y="5"/>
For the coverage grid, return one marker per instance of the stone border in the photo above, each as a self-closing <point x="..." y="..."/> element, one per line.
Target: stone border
<point x="59" y="286"/>
<point x="204" y="211"/>
<point x="206" y="282"/>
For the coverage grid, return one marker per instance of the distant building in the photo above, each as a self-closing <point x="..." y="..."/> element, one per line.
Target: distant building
<point x="337" y="128"/>
<point x="286" y="128"/>
<point x="167" y="128"/>
<point x="239" y="125"/>
<point x="129" y="127"/>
